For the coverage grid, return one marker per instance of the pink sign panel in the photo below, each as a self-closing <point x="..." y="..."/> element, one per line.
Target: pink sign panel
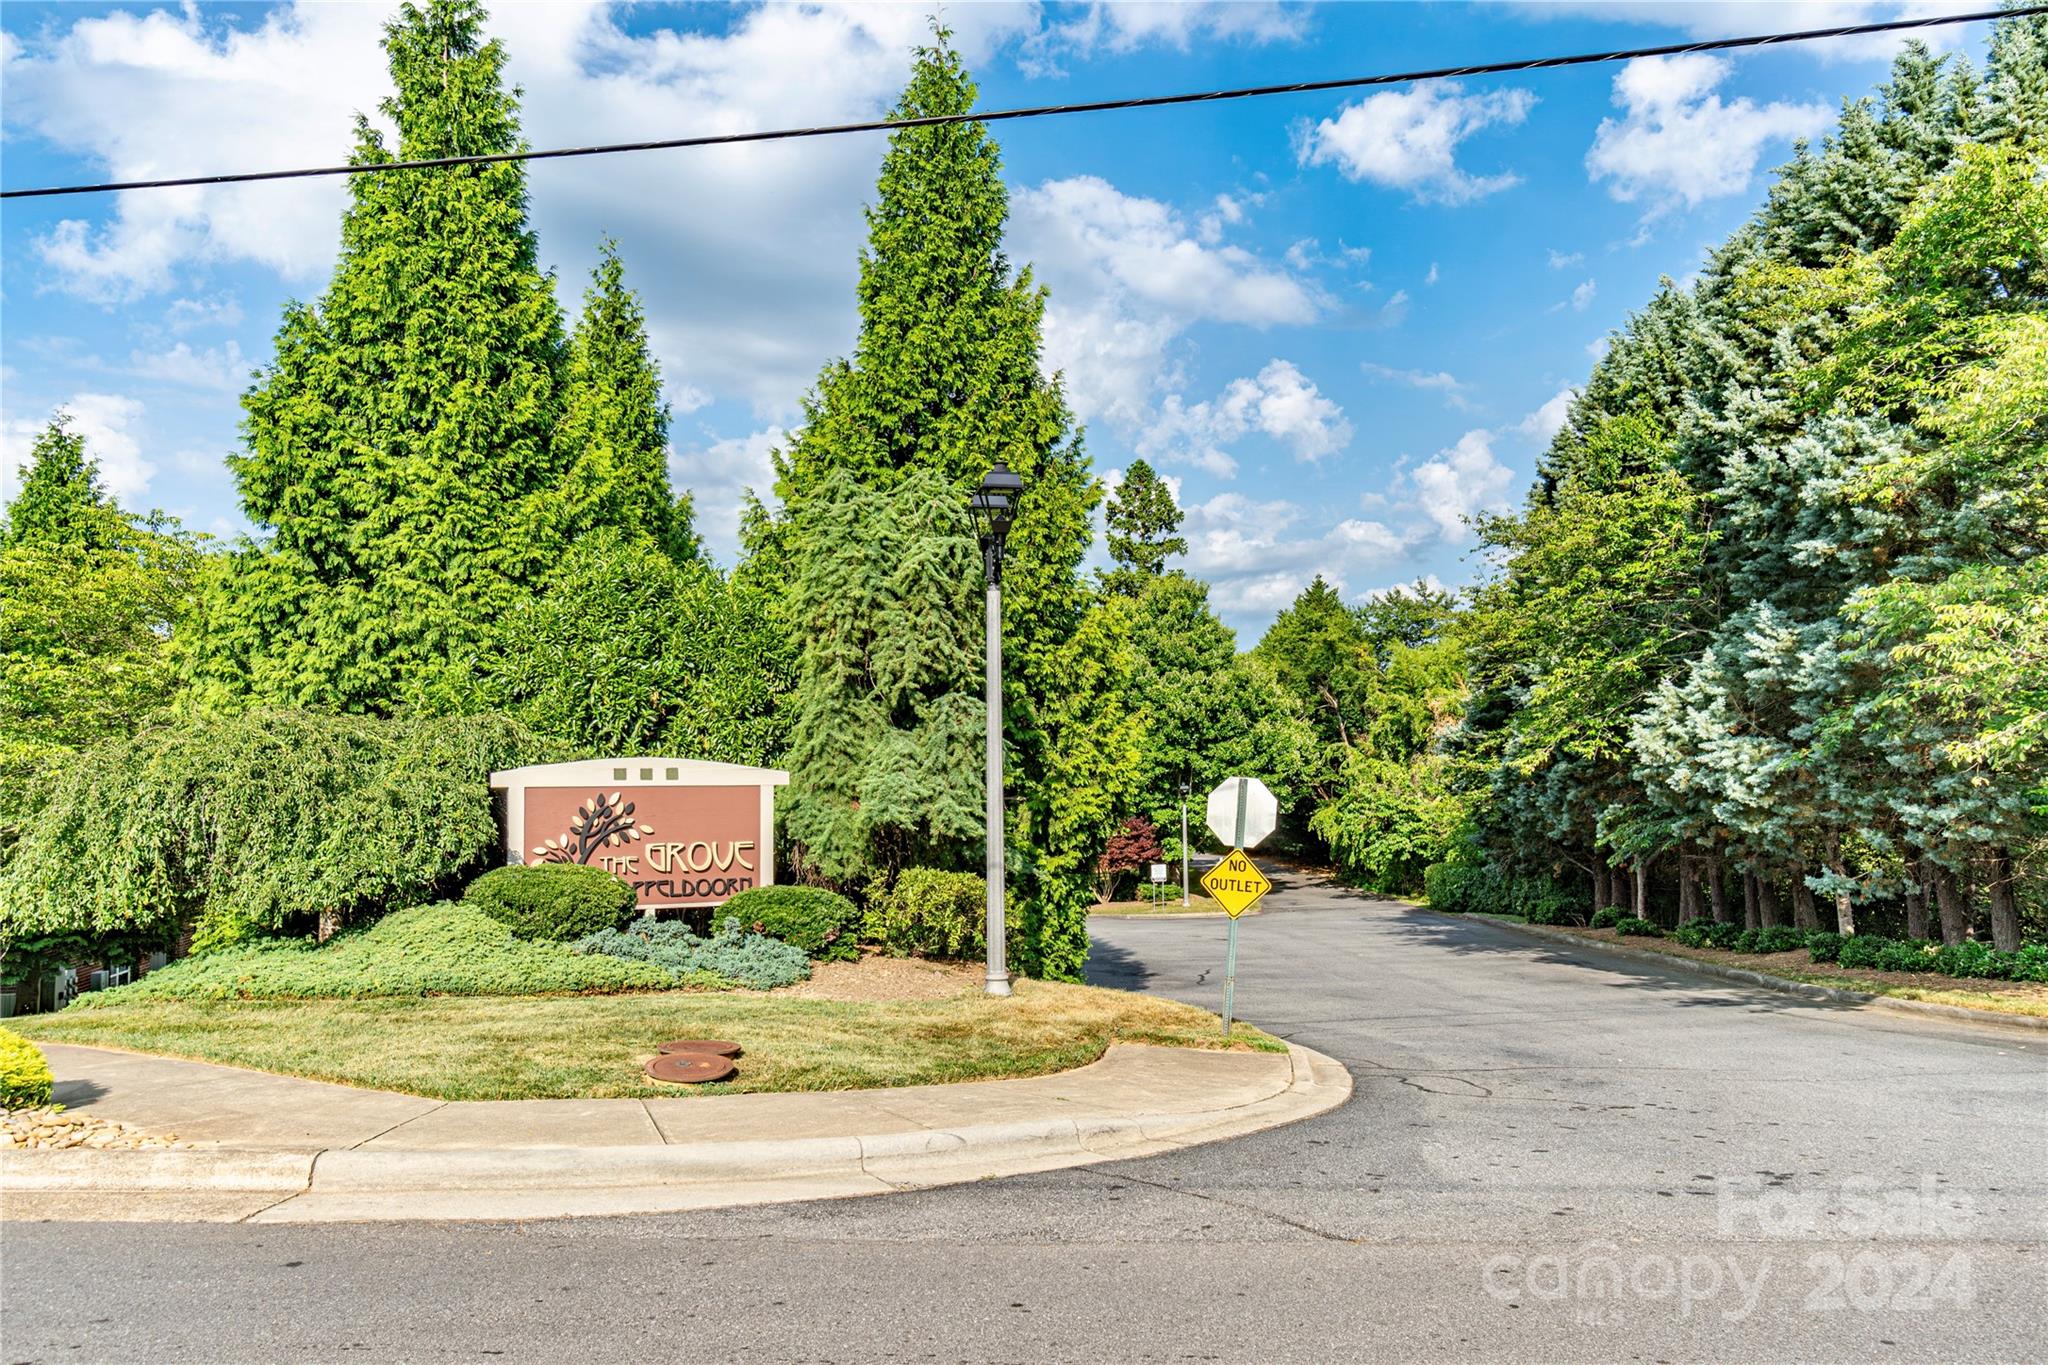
<point x="677" y="846"/>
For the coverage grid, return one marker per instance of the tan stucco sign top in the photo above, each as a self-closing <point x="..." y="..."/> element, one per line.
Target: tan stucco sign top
<point x="683" y="832"/>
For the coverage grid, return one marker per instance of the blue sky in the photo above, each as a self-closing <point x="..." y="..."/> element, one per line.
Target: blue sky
<point x="1340" y="323"/>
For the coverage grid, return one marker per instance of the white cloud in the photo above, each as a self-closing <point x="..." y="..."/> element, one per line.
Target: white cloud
<point x="279" y="94"/>
<point x="1548" y="420"/>
<point x="186" y="315"/>
<point x="110" y="424"/>
<point x="718" y="475"/>
<point x="1408" y="139"/>
<point x="1431" y="277"/>
<point x="1560" y="261"/>
<point x="1733" y="18"/>
<point x="1582" y="295"/>
<point x="1281" y="403"/>
<point x="1460" y="481"/>
<point x="1437" y="381"/>
<point x="1128" y="277"/>
<point x="223" y="369"/>
<point x="1258" y="556"/>
<point x="1678" y="142"/>
<point x="1127" y="26"/>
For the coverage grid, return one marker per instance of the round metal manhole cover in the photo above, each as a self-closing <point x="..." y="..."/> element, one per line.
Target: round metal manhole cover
<point x="709" y="1047"/>
<point x="689" y="1067"/>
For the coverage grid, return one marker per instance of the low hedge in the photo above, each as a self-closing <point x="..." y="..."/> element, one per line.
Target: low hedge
<point x="822" y="923"/>
<point x="556" y="902"/>
<point x="1873" y="952"/>
<point x="1607" y="916"/>
<point x="1635" y="926"/>
<point x="1457" y="888"/>
<point x="731" y="956"/>
<point x="441" y="949"/>
<point x="932" y="914"/>
<point x="25" y="1078"/>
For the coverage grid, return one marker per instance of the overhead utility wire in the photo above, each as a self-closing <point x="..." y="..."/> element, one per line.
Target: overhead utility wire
<point x="1049" y="110"/>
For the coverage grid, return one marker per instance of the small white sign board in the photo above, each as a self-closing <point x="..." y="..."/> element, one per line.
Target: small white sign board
<point x="1242" y="812"/>
<point x="1159" y="874"/>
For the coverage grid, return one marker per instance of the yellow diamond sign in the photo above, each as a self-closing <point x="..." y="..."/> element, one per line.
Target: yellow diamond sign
<point x="1236" y="883"/>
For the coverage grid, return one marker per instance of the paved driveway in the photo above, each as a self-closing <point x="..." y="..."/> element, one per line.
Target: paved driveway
<point x="1550" y="1155"/>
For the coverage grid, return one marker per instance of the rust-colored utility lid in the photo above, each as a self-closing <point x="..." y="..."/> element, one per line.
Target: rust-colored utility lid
<point x="709" y="1047"/>
<point x="693" y="1068"/>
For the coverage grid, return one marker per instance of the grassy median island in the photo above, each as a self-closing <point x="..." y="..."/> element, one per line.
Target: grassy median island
<point x="559" y="1047"/>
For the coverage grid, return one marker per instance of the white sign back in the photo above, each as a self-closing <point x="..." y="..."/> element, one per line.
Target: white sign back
<point x="1242" y="812"/>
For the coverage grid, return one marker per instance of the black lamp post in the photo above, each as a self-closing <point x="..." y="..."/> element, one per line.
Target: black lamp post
<point x="994" y="508"/>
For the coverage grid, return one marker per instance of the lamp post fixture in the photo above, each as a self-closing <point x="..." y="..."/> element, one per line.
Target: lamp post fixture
<point x="994" y="508"/>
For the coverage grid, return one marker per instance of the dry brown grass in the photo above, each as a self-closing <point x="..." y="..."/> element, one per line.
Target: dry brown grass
<point x="547" y="1047"/>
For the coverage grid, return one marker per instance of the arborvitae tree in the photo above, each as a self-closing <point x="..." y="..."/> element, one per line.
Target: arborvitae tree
<point x="614" y="429"/>
<point x="945" y="379"/>
<point x="401" y="447"/>
<point x="1142" y="520"/>
<point x="61" y="504"/>
<point x="945" y="374"/>
<point x="888" y="714"/>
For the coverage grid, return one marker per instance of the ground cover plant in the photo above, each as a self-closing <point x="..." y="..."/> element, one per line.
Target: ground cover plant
<point x="559" y="1047"/>
<point x="732" y="955"/>
<point x="441" y="949"/>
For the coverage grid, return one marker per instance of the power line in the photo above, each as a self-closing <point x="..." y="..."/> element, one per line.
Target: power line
<point x="1051" y="110"/>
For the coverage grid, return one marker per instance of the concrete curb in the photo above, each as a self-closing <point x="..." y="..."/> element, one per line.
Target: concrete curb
<point x="2031" y="1023"/>
<point x="365" y="1184"/>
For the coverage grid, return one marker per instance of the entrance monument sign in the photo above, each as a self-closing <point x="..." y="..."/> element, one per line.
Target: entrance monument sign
<point x="682" y="832"/>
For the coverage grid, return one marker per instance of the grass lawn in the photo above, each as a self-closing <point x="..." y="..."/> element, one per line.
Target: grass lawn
<point x="567" y="1046"/>
<point x="1998" y="997"/>
<point x="1198" y="904"/>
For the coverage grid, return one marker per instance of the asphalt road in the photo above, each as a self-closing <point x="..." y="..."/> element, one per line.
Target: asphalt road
<point x="1550" y="1155"/>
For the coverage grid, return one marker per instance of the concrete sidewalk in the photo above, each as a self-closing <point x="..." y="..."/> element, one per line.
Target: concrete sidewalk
<point x="279" y="1149"/>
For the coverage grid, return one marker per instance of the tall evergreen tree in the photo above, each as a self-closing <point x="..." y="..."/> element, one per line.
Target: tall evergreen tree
<point x="614" y="429"/>
<point x="1142" y="520"/>
<point x="945" y="379"/>
<point x="402" y="447"/>
<point x="61" y="504"/>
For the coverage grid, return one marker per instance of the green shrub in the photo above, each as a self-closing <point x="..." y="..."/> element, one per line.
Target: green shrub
<point x="441" y="949"/>
<point x="1968" y="959"/>
<point x="2030" y="963"/>
<point x="731" y="956"/>
<point x="932" y="914"/>
<point x="1706" y="933"/>
<point x="820" y="922"/>
<point x="1540" y="901"/>
<point x="1863" y="950"/>
<point x="25" y="1079"/>
<point x="1779" y="938"/>
<point x="1608" y="916"/>
<point x="1455" y="888"/>
<point x="1824" y="945"/>
<point x="1918" y="955"/>
<point x="1635" y="926"/>
<point x="558" y="902"/>
<point x="248" y="823"/>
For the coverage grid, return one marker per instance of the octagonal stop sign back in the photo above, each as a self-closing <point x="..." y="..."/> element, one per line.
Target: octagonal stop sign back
<point x="1242" y="812"/>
